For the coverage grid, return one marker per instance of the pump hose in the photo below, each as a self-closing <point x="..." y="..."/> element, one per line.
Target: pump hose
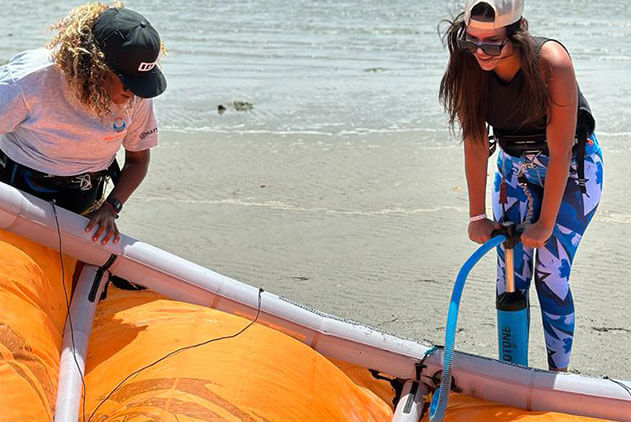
<point x="439" y="401"/>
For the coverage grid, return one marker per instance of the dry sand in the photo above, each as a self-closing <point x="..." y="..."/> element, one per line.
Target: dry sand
<point x="371" y="228"/>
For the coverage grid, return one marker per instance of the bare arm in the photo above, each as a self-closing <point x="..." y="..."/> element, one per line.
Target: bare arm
<point x="132" y="174"/>
<point x="476" y="159"/>
<point x="563" y="92"/>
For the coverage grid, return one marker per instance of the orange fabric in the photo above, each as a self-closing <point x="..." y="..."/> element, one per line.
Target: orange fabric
<point x="463" y="408"/>
<point x="32" y="312"/>
<point x="260" y="375"/>
<point x="362" y="377"/>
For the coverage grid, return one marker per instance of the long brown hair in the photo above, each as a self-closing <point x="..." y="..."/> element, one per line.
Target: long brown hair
<point x="464" y="86"/>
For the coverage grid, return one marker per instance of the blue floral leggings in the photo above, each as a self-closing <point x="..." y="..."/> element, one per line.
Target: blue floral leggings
<point x="553" y="262"/>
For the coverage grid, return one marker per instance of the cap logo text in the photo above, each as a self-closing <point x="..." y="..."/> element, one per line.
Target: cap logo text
<point x="146" y="67"/>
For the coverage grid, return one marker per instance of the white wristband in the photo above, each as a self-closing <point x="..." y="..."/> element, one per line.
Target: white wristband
<point x="477" y="218"/>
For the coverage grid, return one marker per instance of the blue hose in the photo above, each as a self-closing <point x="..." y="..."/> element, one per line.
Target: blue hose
<point x="439" y="401"/>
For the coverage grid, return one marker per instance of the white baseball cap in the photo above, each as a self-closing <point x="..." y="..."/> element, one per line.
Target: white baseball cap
<point x="506" y="13"/>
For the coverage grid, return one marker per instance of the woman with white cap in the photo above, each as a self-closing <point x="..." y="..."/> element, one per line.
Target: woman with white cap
<point x="549" y="169"/>
<point x="65" y="111"/>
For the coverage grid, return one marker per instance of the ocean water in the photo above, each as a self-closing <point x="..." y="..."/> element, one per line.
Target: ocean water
<point x="337" y="67"/>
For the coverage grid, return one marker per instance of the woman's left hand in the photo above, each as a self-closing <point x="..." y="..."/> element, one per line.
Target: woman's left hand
<point x="535" y="235"/>
<point x="105" y="219"/>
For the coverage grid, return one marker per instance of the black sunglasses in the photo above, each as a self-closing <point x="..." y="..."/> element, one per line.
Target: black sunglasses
<point x="488" y="49"/>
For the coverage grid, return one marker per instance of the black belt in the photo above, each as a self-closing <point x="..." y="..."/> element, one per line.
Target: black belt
<point x="517" y="150"/>
<point x="84" y="181"/>
<point x="518" y="146"/>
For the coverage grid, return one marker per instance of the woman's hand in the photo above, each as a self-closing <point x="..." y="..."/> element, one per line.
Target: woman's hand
<point x="105" y="219"/>
<point x="535" y="235"/>
<point x="480" y="231"/>
<point x="134" y="171"/>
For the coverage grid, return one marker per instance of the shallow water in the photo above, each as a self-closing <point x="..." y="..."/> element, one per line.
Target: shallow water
<point x="337" y="66"/>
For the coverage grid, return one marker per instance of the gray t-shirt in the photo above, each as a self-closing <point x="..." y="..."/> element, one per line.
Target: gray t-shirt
<point x="45" y="127"/>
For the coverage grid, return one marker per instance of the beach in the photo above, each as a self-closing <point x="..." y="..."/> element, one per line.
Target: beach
<point x="339" y="185"/>
<point x="370" y="228"/>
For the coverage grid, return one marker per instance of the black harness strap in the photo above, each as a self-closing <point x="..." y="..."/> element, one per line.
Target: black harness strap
<point x="99" y="276"/>
<point x="580" y="166"/>
<point x="395" y="383"/>
<point x="585" y="127"/>
<point x="519" y="146"/>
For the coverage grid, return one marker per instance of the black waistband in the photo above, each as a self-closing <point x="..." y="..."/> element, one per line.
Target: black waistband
<point x="517" y="149"/>
<point x="82" y="181"/>
<point x="522" y="145"/>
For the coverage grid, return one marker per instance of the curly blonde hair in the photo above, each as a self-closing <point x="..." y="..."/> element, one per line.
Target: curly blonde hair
<point x="77" y="53"/>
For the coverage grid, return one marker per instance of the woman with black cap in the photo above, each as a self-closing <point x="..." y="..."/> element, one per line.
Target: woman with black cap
<point x="549" y="169"/>
<point x="65" y="111"/>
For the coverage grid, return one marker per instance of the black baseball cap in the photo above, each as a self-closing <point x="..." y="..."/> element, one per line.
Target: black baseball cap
<point x="131" y="47"/>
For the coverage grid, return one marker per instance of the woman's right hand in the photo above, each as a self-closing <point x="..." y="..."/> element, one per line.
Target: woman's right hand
<point x="480" y="231"/>
<point x="104" y="218"/>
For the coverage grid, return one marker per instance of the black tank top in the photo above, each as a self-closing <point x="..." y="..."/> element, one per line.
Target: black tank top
<point x="503" y="108"/>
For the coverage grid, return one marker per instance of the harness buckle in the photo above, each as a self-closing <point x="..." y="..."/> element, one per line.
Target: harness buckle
<point x="85" y="181"/>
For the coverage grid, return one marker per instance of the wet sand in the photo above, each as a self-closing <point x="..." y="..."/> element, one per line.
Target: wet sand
<point x="371" y="228"/>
